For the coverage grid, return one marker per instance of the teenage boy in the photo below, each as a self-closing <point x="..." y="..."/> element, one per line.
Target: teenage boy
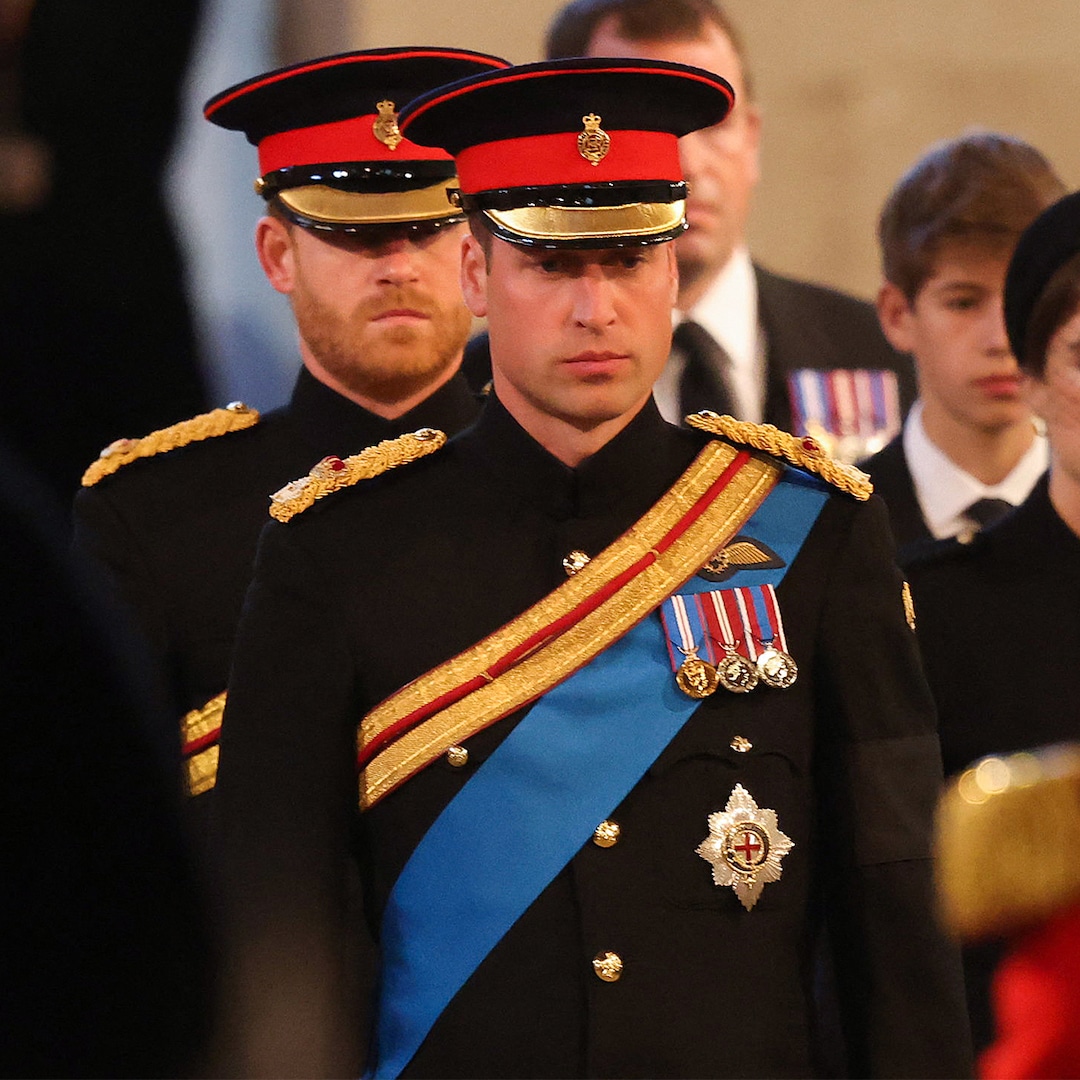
<point x="969" y="451"/>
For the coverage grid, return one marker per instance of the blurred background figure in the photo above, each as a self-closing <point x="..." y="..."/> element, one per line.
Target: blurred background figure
<point x="1008" y="833"/>
<point x="748" y="342"/>
<point x="97" y="335"/>
<point x="107" y="948"/>
<point x="999" y="619"/>
<point x="969" y="451"/>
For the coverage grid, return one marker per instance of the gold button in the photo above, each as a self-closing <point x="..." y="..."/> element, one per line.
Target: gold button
<point x="740" y="744"/>
<point x="574" y="562"/>
<point x="606" y="834"/>
<point x="457" y="756"/>
<point x="608" y="966"/>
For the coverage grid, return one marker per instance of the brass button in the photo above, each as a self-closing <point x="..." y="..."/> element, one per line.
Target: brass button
<point x="457" y="756"/>
<point x="741" y="744"/>
<point x="574" y="562"/>
<point x="606" y="834"/>
<point x="608" y="966"/>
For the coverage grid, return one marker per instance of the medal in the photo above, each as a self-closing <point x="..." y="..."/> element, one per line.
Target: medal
<point x="744" y="847"/>
<point x="776" y="668"/>
<point x="736" y="673"/>
<point x="696" y="677"/>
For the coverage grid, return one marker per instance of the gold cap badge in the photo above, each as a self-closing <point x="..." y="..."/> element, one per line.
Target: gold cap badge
<point x="385" y="128"/>
<point x="744" y="846"/>
<point x="593" y="143"/>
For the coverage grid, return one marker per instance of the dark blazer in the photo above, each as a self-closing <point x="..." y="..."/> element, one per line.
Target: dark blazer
<point x="806" y="326"/>
<point x="811" y="326"/>
<point x="372" y="587"/>
<point x="999" y="627"/>
<point x="889" y="471"/>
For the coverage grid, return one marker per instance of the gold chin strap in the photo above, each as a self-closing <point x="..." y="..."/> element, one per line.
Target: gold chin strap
<point x="591" y="222"/>
<point x="336" y="207"/>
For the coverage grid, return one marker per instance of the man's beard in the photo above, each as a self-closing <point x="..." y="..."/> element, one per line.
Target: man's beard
<point x="385" y="365"/>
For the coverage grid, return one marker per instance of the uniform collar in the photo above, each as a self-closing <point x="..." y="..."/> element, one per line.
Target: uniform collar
<point x="326" y="418"/>
<point x="629" y="472"/>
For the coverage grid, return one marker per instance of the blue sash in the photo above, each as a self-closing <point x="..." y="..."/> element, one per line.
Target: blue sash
<point x="565" y="767"/>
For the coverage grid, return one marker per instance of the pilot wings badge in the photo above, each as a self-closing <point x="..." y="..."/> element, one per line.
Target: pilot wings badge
<point x="744" y="847"/>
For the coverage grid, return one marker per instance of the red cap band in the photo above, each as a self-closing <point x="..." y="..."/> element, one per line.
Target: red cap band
<point x="537" y="160"/>
<point x="343" y="140"/>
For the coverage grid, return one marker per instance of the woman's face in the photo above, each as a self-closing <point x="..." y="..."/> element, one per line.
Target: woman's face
<point x="1055" y="396"/>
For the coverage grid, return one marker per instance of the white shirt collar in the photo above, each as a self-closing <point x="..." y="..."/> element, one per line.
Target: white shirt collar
<point x="728" y="311"/>
<point x="945" y="491"/>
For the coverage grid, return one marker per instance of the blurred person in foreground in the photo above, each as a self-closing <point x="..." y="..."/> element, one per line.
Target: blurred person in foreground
<point x="747" y="341"/>
<point x="359" y="235"/>
<point x="1007" y="835"/>
<point x="969" y="451"/>
<point x="999" y="618"/>
<point x="639" y="710"/>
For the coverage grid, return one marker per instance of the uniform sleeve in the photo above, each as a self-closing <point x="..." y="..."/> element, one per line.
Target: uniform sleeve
<point x="103" y="539"/>
<point x="279" y="841"/>
<point x="898" y="978"/>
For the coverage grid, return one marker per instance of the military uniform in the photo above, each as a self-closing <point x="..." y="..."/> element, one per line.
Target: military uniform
<point x="372" y="587"/>
<point x="177" y="532"/>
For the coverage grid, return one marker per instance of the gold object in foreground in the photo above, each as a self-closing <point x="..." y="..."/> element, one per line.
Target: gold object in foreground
<point x="385" y="128"/>
<point x="909" y="605"/>
<point x="736" y="674"/>
<point x="805" y="452"/>
<point x="574" y="562"/>
<point x="593" y="143"/>
<point x="606" y="834"/>
<point x="334" y="473"/>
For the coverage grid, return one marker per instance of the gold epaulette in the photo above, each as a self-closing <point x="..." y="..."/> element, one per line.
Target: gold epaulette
<point x="234" y="417"/>
<point x="806" y="452"/>
<point x="1008" y="837"/>
<point x="334" y="473"/>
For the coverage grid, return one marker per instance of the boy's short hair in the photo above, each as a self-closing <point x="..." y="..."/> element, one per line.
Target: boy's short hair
<point x="641" y="20"/>
<point x="982" y="187"/>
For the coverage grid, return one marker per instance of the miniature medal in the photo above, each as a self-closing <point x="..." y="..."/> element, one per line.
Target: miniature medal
<point x="735" y="673"/>
<point x="776" y="668"/>
<point x="744" y="847"/>
<point x="696" y="677"/>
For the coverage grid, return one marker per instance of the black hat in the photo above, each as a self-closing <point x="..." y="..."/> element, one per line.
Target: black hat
<point x="1049" y="242"/>
<point x="532" y="155"/>
<point x="329" y="145"/>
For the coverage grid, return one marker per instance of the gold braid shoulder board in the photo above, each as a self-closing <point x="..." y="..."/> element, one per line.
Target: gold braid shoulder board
<point x="805" y="452"/>
<point x="334" y="473"/>
<point x="234" y="417"/>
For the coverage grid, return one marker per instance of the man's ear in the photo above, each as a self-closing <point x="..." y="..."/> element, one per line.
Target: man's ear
<point x="274" y="246"/>
<point x="896" y="314"/>
<point x="474" y="276"/>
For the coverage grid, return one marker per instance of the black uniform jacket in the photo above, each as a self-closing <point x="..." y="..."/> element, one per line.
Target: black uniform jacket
<point x="889" y="471"/>
<point x="806" y="326"/>
<point x="374" y="586"/>
<point x="999" y="626"/>
<point x="177" y="532"/>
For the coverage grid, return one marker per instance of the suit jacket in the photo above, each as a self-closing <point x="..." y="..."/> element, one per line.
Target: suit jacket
<point x="889" y="471"/>
<point x="806" y="326"/>
<point x="372" y="587"/>
<point x="999" y="627"/>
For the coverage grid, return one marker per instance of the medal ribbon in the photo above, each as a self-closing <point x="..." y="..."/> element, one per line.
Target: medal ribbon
<point x="566" y="765"/>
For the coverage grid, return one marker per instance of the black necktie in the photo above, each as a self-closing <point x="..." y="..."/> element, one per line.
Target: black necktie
<point x="703" y="383"/>
<point x="985" y="512"/>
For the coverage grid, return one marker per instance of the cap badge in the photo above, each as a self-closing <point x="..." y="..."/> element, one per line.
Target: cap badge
<point x="744" y="846"/>
<point x="593" y="143"/>
<point x="385" y="128"/>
